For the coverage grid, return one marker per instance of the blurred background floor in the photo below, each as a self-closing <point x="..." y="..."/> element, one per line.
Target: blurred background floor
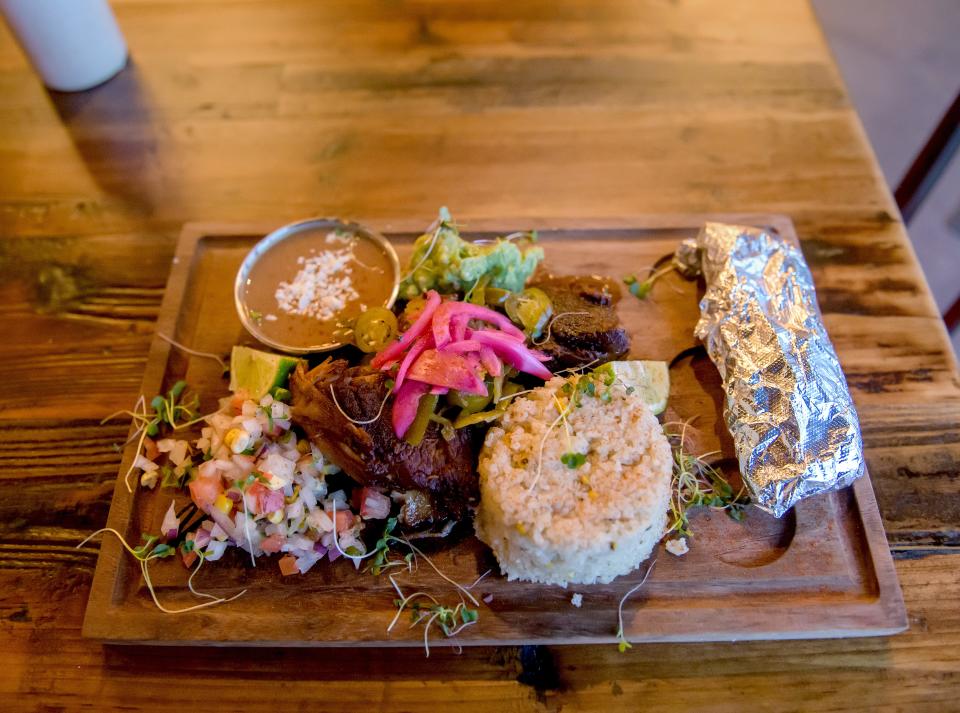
<point x="901" y="62"/>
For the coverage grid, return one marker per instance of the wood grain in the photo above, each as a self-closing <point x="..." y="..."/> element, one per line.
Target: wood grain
<point x="271" y="111"/>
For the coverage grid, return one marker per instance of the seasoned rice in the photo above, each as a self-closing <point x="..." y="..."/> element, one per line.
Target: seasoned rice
<point x="586" y="524"/>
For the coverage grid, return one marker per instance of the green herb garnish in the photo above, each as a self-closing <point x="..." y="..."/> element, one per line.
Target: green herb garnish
<point x="148" y="541"/>
<point x="641" y="289"/>
<point x="573" y="460"/>
<point x="163" y="551"/>
<point x="444" y="617"/>
<point x="381" y="557"/>
<point x="697" y="483"/>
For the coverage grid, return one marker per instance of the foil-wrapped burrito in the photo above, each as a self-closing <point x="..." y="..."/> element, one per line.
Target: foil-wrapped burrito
<point x="787" y="406"/>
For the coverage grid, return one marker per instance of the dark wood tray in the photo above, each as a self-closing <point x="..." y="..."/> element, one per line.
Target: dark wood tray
<point x="824" y="570"/>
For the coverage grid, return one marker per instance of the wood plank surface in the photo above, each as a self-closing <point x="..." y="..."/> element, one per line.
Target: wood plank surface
<point x="260" y="110"/>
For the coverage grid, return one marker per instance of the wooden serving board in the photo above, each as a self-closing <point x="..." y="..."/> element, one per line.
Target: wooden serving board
<point x="823" y="570"/>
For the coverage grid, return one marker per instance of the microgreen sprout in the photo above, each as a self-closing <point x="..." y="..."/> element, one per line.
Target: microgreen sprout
<point x="577" y="386"/>
<point x="404" y="601"/>
<point x="531" y="235"/>
<point x="169" y="409"/>
<point x="450" y="620"/>
<point x="357" y="421"/>
<point x="697" y="483"/>
<point x="549" y="330"/>
<point x="149" y="550"/>
<point x="479" y="579"/>
<point x="194" y="352"/>
<point x="200" y="560"/>
<point x="479" y="284"/>
<point x="175" y="477"/>
<point x="641" y="289"/>
<point x="505" y="397"/>
<point x="579" y="369"/>
<point x="166" y="411"/>
<point x="381" y="551"/>
<point x="622" y="643"/>
<point x="573" y="460"/>
<point x="442" y="222"/>
<point x="561" y="417"/>
<point x="459" y="587"/>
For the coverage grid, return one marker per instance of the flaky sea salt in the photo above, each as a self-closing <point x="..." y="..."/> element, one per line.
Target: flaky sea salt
<point x="335" y="237"/>
<point x="321" y="288"/>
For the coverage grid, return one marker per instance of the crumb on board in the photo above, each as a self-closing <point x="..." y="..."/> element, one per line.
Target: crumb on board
<point x="487" y="599"/>
<point x="577" y="600"/>
<point x="677" y="546"/>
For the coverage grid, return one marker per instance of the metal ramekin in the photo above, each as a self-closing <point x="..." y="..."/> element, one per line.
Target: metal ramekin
<point x="280" y="234"/>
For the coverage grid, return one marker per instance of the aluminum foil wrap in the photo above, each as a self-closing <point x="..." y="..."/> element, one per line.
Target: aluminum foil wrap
<point x="788" y="408"/>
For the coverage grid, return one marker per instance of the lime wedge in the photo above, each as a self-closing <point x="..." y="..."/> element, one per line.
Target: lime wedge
<point x="257" y="372"/>
<point x="650" y="378"/>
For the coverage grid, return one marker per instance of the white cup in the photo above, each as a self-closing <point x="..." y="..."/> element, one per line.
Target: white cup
<point x="73" y="44"/>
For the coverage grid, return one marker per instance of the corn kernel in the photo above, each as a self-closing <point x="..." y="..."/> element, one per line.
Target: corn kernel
<point x="593" y="494"/>
<point x="293" y="498"/>
<point x="237" y="440"/>
<point x="276" y="517"/>
<point x="521" y="529"/>
<point x="223" y="503"/>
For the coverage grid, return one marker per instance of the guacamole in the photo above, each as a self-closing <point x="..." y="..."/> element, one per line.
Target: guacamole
<point x="445" y="262"/>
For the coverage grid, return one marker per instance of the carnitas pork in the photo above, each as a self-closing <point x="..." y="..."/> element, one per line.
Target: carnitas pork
<point x="345" y="412"/>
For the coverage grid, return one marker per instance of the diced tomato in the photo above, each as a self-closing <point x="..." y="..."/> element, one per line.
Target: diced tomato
<point x="344" y="520"/>
<point x="265" y="500"/>
<point x="150" y="449"/>
<point x="272" y="543"/>
<point x="256" y="491"/>
<point x="374" y="505"/>
<point x="288" y="565"/>
<point x="189" y="558"/>
<point x="204" y="491"/>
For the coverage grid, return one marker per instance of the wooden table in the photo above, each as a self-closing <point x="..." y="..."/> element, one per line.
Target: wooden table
<point x="274" y="110"/>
